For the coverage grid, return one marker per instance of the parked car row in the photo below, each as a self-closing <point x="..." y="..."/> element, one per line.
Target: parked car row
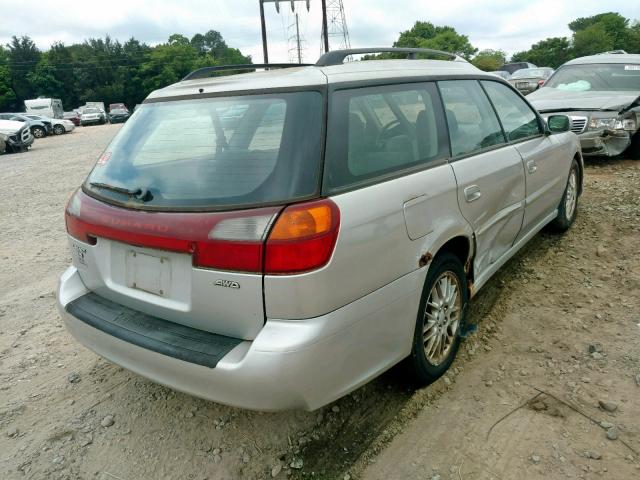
<point x="39" y="124"/>
<point x="94" y="113"/>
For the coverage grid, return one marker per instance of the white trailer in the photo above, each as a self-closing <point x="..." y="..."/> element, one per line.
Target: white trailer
<point x="49" y="107"/>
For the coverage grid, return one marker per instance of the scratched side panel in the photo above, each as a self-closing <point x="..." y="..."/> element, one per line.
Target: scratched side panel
<point x="385" y="229"/>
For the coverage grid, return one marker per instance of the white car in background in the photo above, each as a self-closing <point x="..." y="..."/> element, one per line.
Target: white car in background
<point x="92" y="115"/>
<point x="58" y="126"/>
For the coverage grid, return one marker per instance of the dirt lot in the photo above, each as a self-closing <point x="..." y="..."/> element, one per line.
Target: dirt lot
<point x="563" y="317"/>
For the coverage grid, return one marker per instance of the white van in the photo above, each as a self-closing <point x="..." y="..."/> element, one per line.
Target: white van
<point x="48" y="107"/>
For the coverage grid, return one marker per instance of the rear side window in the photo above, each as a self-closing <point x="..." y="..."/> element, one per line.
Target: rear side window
<point x="473" y="124"/>
<point x="216" y="153"/>
<point x="381" y="130"/>
<point x="518" y="120"/>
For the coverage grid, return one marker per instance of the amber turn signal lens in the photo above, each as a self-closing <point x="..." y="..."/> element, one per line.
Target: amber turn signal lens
<point x="305" y="221"/>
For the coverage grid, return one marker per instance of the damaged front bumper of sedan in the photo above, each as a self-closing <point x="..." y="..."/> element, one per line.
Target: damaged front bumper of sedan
<point x="609" y="143"/>
<point x="603" y="132"/>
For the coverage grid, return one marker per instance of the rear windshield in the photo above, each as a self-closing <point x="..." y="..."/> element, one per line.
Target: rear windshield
<point x="604" y="77"/>
<point x="215" y="153"/>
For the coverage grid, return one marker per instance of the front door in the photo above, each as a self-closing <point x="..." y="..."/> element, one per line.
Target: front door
<point x="489" y="171"/>
<point x="540" y="156"/>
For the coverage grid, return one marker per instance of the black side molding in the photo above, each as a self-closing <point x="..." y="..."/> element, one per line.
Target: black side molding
<point x="153" y="333"/>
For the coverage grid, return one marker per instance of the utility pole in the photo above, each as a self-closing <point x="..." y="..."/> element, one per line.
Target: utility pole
<point x="298" y="40"/>
<point x="325" y="33"/>
<point x="265" y="52"/>
<point x="334" y="25"/>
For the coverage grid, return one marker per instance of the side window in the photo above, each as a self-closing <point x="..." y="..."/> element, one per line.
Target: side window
<point x="473" y="124"/>
<point x="379" y="130"/>
<point x="517" y="118"/>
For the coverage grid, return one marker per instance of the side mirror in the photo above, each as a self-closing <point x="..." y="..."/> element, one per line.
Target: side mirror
<point x="558" y="123"/>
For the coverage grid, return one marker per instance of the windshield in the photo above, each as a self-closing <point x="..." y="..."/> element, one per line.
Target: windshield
<point x="531" y="73"/>
<point x="118" y="111"/>
<point x="91" y="110"/>
<point x="216" y="153"/>
<point x="604" y="77"/>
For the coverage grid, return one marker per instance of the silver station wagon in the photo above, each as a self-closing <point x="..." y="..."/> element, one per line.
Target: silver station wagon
<point x="276" y="239"/>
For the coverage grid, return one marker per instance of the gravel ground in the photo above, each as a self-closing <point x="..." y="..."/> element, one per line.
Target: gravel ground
<point x="562" y="317"/>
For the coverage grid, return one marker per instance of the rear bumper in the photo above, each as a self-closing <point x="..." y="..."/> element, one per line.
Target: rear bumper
<point x="291" y="364"/>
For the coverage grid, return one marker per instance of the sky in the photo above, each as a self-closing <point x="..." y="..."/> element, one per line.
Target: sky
<point x="508" y="25"/>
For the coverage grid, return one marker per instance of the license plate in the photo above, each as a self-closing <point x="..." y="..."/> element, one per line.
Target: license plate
<point x="522" y="84"/>
<point x="148" y="273"/>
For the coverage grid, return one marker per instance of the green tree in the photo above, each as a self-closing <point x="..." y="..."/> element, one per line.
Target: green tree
<point x="210" y="43"/>
<point x="451" y="41"/>
<point x="633" y="39"/>
<point x="168" y="63"/>
<point x="7" y="95"/>
<point x="551" y="52"/>
<point x="44" y="82"/>
<point x="591" y="40"/>
<point x="615" y="25"/>
<point x="489" y="60"/>
<point x="427" y="35"/>
<point x="23" y="59"/>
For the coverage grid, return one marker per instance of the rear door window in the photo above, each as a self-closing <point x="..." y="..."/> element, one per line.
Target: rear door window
<point x="518" y="119"/>
<point x="216" y="153"/>
<point x="378" y="131"/>
<point x="473" y="125"/>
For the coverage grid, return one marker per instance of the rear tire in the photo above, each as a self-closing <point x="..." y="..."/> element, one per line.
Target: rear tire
<point x="441" y="315"/>
<point x="568" y="208"/>
<point x="633" y="151"/>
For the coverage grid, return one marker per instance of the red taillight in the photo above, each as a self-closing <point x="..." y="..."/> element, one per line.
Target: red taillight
<point x="223" y="240"/>
<point x="540" y="83"/>
<point x="302" y="238"/>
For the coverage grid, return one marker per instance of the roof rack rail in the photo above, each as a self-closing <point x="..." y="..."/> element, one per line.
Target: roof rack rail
<point x="202" y="72"/>
<point x="336" y="57"/>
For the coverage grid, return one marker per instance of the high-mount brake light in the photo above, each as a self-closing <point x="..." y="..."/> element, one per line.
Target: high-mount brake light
<point x="302" y="238"/>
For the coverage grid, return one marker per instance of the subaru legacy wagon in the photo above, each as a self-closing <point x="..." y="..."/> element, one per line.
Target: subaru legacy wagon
<point x="337" y="226"/>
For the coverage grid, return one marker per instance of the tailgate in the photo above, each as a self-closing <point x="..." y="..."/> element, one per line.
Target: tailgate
<point x="152" y="262"/>
<point x="166" y="285"/>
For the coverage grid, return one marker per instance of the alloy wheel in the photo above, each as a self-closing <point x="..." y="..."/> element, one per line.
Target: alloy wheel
<point x="571" y="196"/>
<point x="442" y="317"/>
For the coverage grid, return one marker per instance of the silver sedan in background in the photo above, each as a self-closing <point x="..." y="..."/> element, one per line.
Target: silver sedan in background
<point x="528" y="80"/>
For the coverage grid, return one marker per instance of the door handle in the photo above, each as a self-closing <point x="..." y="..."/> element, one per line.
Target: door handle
<point x="472" y="192"/>
<point x="531" y="166"/>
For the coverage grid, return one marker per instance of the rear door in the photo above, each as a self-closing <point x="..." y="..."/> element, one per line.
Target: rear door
<point x="541" y="157"/>
<point x="488" y="171"/>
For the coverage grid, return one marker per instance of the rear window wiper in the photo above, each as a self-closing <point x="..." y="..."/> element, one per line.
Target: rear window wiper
<point x="139" y="193"/>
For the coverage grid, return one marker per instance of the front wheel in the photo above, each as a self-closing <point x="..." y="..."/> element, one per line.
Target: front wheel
<point x="58" y="129"/>
<point x="440" y="317"/>
<point x="568" y="208"/>
<point x="38" y="132"/>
